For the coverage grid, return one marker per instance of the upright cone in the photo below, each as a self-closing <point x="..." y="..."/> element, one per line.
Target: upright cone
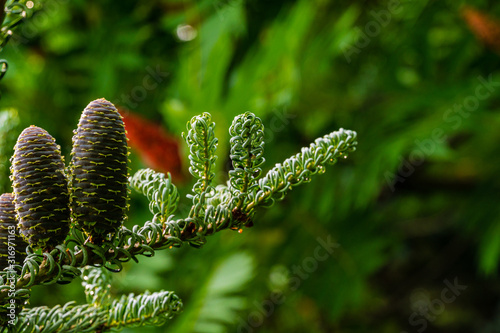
<point x="40" y="189"/>
<point x="99" y="171"/>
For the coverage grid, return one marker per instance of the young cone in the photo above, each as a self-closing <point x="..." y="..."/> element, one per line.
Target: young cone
<point x="99" y="171"/>
<point x="40" y="189"/>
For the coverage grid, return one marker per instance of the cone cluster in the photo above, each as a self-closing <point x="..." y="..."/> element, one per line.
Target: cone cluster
<point x="91" y="195"/>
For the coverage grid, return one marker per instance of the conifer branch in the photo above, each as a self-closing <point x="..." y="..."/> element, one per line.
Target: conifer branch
<point x="202" y="144"/>
<point x="299" y="168"/>
<point x="128" y="311"/>
<point x="213" y="210"/>
<point x="247" y="154"/>
<point x="155" y="235"/>
<point x="161" y="192"/>
<point x="97" y="284"/>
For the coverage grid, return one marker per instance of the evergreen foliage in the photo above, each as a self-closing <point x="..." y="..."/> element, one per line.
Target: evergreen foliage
<point x="415" y="205"/>
<point x="98" y="164"/>
<point x="162" y="194"/>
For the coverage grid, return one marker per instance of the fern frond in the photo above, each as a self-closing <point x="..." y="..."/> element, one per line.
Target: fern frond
<point x="217" y="301"/>
<point x="162" y="194"/>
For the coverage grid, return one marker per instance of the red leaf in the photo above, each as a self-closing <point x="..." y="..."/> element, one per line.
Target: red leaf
<point x="484" y="27"/>
<point x="157" y="149"/>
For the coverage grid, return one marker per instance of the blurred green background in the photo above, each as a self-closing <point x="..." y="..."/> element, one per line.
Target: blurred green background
<point x="414" y="212"/>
